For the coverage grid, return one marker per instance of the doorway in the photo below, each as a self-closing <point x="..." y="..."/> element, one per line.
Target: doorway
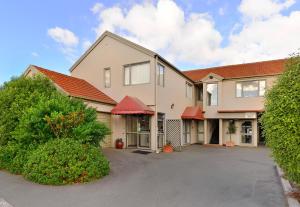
<point x="187" y="131"/>
<point x="200" y="132"/>
<point x="138" y="131"/>
<point x="247" y="132"/>
<point x="214" y="139"/>
<point x="160" y="130"/>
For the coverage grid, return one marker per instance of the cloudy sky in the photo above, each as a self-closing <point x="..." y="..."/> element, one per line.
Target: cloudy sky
<point x="189" y="33"/>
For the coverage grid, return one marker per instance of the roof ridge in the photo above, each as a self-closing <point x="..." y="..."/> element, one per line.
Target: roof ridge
<point x="232" y="65"/>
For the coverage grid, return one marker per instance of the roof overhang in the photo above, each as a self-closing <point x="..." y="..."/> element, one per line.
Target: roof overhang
<point x="193" y="112"/>
<point x="131" y="105"/>
<point x="241" y="111"/>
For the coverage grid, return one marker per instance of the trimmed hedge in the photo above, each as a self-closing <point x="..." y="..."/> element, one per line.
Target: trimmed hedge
<point x="281" y="120"/>
<point x="63" y="161"/>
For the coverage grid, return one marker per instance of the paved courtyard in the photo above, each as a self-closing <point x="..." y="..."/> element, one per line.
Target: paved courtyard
<point x="198" y="176"/>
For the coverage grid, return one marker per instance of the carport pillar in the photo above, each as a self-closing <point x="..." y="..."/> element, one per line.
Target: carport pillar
<point x="205" y="132"/>
<point x="220" y="131"/>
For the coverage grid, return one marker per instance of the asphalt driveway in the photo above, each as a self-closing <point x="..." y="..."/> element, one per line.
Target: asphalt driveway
<point x="198" y="176"/>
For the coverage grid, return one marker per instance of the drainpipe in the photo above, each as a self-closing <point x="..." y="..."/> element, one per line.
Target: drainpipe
<point x="155" y="102"/>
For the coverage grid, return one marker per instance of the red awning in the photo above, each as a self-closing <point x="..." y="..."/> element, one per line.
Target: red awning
<point x="193" y="112"/>
<point x="131" y="105"/>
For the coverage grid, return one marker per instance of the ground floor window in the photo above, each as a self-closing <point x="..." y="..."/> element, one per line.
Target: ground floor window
<point x="138" y="131"/>
<point x="246" y="132"/>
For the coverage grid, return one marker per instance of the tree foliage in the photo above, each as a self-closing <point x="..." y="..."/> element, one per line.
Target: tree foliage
<point x="34" y="116"/>
<point x="281" y="120"/>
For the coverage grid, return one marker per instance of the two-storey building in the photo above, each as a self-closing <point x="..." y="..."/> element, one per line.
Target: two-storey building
<point x="146" y="100"/>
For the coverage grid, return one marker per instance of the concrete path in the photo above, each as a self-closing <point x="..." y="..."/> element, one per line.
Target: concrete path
<point x="198" y="176"/>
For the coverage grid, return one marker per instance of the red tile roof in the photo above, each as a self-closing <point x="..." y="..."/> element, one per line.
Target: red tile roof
<point x="193" y="112"/>
<point x="76" y="87"/>
<point x="272" y="67"/>
<point x="131" y="105"/>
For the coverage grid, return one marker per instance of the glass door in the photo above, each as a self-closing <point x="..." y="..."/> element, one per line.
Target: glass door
<point x="131" y="131"/>
<point x="144" y="131"/>
<point x="186" y="131"/>
<point x="200" y="132"/>
<point x="138" y="131"/>
<point x="247" y="132"/>
<point x="160" y="129"/>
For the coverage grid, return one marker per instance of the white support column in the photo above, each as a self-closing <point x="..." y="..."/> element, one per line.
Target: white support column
<point x="205" y="132"/>
<point x="220" y="131"/>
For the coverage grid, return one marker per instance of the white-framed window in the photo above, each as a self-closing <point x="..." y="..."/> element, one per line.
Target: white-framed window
<point x="107" y="78"/>
<point x="250" y="88"/>
<point x="212" y="94"/>
<point x="138" y="73"/>
<point x="188" y="90"/>
<point x="160" y="75"/>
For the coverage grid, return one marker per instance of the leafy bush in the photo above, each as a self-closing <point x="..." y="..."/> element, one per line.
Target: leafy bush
<point x="49" y="137"/>
<point x="13" y="157"/>
<point x="281" y="120"/>
<point x="60" y="117"/>
<point x="16" y="96"/>
<point x="63" y="161"/>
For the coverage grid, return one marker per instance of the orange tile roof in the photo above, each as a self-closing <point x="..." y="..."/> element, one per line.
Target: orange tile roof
<point x="272" y="67"/>
<point x="76" y="87"/>
<point x="131" y="105"/>
<point x="193" y="112"/>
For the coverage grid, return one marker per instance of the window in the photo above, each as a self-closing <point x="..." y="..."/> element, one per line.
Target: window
<point x="250" y="88"/>
<point x="199" y="90"/>
<point x="137" y="74"/>
<point x="246" y="133"/>
<point x="107" y="77"/>
<point x="188" y="90"/>
<point x="160" y="75"/>
<point x="212" y="94"/>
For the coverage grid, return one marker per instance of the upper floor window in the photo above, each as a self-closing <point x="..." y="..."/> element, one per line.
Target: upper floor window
<point x="250" y="88"/>
<point x="188" y="90"/>
<point x="160" y="75"/>
<point x="199" y="92"/>
<point x="107" y="77"/>
<point x="137" y="73"/>
<point x="212" y="94"/>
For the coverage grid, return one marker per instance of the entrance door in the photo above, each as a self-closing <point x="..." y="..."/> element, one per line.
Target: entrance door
<point x="247" y="132"/>
<point x="138" y="131"/>
<point x="200" y="132"/>
<point x="186" y="131"/>
<point x="160" y="129"/>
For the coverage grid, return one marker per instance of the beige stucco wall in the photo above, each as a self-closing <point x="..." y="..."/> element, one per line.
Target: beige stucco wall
<point x="113" y="54"/>
<point x="236" y="137"/>
<point x="174" y="92"/>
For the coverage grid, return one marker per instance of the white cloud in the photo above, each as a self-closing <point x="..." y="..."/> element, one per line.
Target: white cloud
<point x="86" y="44"/>
<point x="35" y="54"/>
<point x="67" y="41"/>
<point x="263" y="31"/>
<point x="260" y="9"/>
<point x="163" y="27"/>
<point x="97" y="8"/>
<point x="63" y="36"/>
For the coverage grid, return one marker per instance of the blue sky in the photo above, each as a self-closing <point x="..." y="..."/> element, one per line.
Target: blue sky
<point x="205" y="32"/>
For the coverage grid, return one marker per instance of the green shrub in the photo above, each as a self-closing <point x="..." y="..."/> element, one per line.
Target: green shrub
<point x="60" y="117"/>
<point x="16" y="96"/>
<point x="281" y="120"/>
<point x="13" y="157"/>
<point x="63" y="161"/>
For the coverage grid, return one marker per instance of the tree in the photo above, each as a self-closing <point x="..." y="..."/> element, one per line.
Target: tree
<point x="281" y="120"/>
